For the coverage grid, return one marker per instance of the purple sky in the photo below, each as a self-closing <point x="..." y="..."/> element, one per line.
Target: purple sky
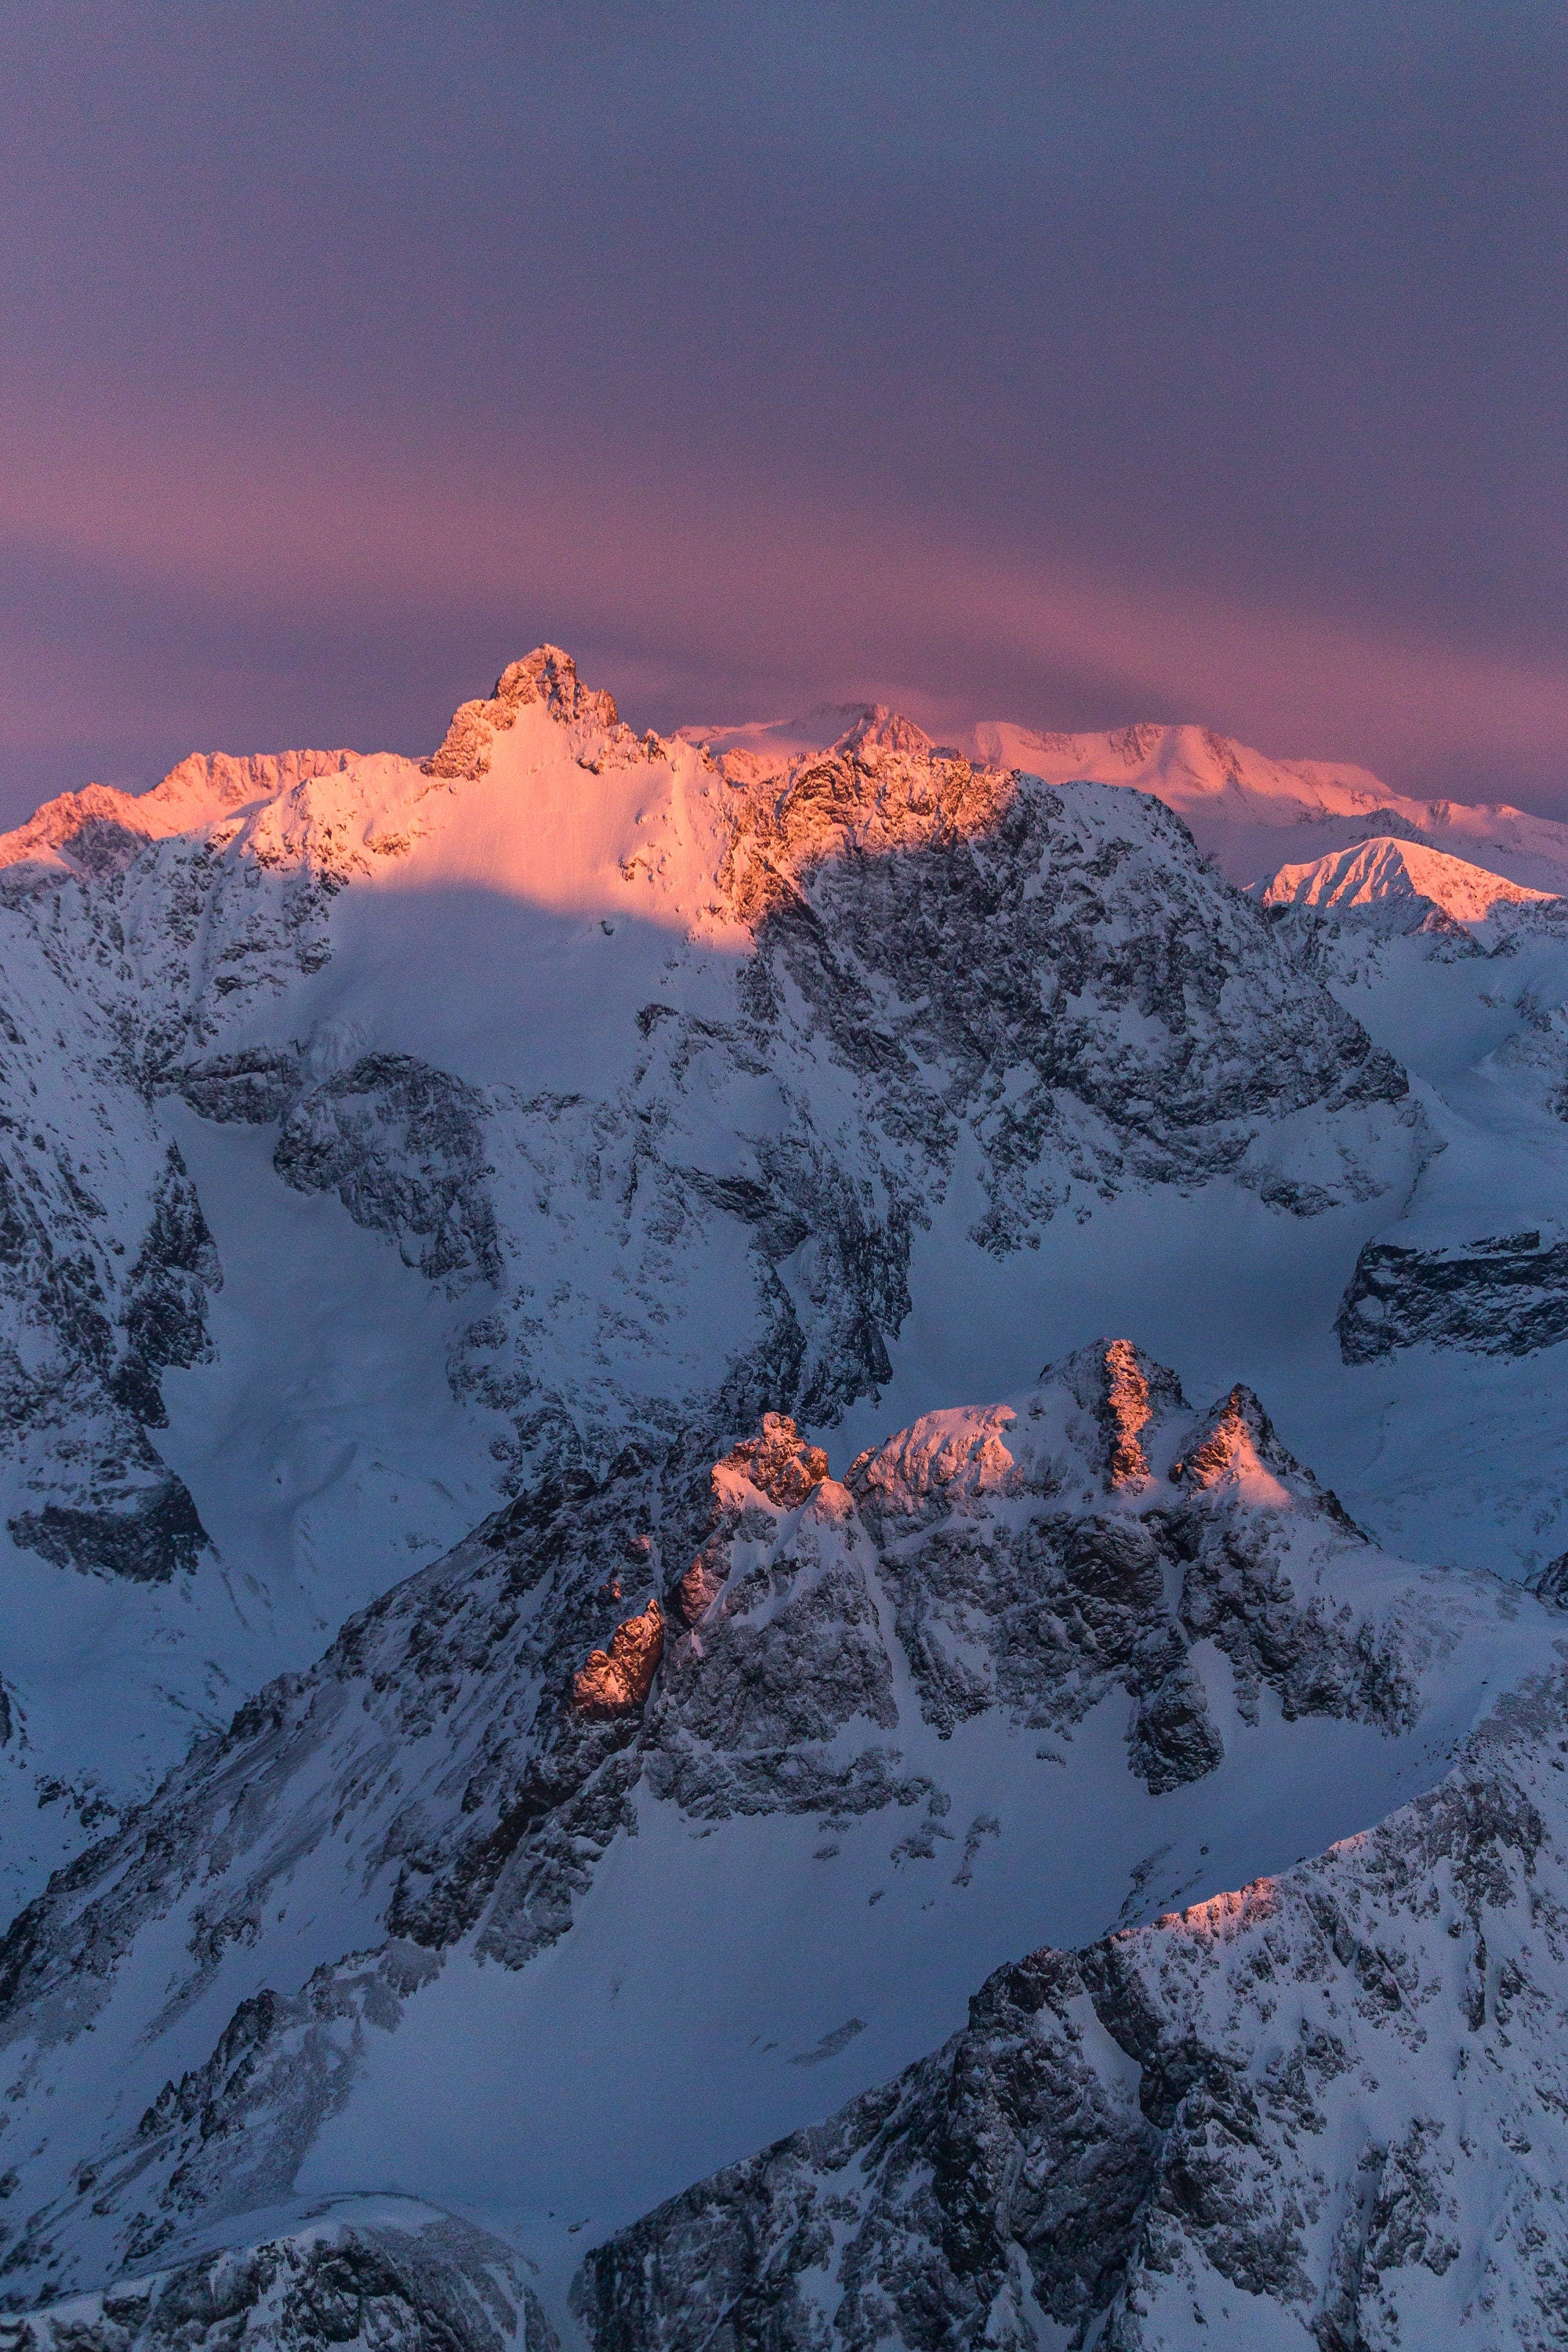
<point x="1064" y="362"/>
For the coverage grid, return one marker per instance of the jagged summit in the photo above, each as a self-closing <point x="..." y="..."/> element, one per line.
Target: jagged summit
<point x="1400" y="873"/>
<point x="98" y="830"/>
<point x="1107" y="1424"/>
<point x="546" y="676"/>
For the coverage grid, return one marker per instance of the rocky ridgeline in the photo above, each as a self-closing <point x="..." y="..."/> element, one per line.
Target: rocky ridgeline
<point x="1329" y="2109"/>
<point x="458" y="1764"/>
<point x="380" y="2271"/>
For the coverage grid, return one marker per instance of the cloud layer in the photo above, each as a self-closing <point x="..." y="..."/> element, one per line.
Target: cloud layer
<point x="1077" y="364"/>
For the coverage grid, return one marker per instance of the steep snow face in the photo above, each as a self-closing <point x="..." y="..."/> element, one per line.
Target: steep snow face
<point x="1325" y="2110"/>
<point x="1253" y="813"/>
<point x="1384" y="872"/>
<point x="464" y="1911"/>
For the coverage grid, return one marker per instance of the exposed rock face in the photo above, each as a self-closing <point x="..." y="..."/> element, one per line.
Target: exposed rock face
<point x="438" y="1781"/>
<point x="546" y="676"/>
<point x="1505" y="1295"/>
<point x="402" y="1146"/>
<point x="1327" y="2110"/>
<point x="374" y="2271"/>
<point x="108" y="1264"/>
<point x="616" y="1681"/>
<point x="1128" y="1411"/>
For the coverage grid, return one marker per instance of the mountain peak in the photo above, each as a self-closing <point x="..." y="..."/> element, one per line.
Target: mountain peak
<point x="763" y="748"/>
<point x="100" y="829"/>
<point x="875" y="727"/>
<point x="546" y="676"/>
<point x="1384" y="871"/>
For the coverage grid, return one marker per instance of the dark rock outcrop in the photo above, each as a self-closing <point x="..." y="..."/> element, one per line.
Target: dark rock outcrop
<point x="1505" y="1295"/>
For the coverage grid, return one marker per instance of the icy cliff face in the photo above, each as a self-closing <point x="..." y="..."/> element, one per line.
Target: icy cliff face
<point x="1112" y="1598"/>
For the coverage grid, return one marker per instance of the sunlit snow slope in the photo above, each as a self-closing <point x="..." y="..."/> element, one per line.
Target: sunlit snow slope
<point x="1383" y="871"/>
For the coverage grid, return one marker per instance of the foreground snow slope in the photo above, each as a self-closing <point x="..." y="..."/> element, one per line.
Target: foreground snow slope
<point x="466" y="1117"/>
<point x="507" y="1909"/>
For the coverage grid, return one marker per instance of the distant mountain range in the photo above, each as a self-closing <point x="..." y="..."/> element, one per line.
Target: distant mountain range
<point x="1252" y="814"/>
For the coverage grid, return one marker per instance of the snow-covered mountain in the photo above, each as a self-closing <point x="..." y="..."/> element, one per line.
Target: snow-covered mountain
<point x="394" y="1131"/>
<point x="1325" y="2108"/>
<point x="470" y="1225"/>
<point x="1421" y="883"/>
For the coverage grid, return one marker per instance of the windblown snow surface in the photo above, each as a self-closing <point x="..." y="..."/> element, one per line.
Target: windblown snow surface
<point x="514" y="1733"/>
